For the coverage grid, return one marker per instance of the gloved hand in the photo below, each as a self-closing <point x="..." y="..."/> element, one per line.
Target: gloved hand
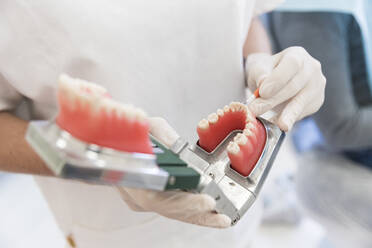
<point x="183" y="206"/>
<point x="292" y="81"/>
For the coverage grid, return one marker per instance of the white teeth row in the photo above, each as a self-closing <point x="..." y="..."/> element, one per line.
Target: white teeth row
<point x="233" y="107"/>
<point x="79" y="85"/>
<point x="76" y="92"/>
<point x="250" y="126"/>
<point x="128" y="111"/>
<point x="226" y="108"/>
<point x="241" y="139"/>
<point x="233" y="148"/>
<point x="213" y="118"/>
<point x="237" y="106"/>
<point x="203" y="124"/>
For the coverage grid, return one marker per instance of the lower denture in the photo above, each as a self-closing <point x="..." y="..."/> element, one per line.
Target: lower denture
<point x="251" y="152"/>
<point x="235" y="118"/>
<point x="210" y="138"/>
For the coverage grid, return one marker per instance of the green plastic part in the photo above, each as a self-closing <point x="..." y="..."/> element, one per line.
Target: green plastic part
<point x="165" y="157"/>
<point x="182" y="178"/>
<point x="180" y="175"/>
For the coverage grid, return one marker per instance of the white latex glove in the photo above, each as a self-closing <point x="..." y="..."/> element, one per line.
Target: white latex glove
<point x="292" y="81"/>
<point x="187" y="207"/>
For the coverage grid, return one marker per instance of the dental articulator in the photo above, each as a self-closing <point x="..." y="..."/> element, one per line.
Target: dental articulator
<point x="97" y="139"/>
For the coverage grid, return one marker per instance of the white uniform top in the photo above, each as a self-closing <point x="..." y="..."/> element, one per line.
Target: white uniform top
<point x="177" y="59"/>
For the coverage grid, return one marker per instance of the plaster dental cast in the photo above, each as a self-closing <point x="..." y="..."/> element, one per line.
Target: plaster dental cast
<point x="180" y="60"/>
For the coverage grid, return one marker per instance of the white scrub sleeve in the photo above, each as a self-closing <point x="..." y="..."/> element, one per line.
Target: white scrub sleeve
<point x="263" y="6"/>
<point x="9" y="97"/>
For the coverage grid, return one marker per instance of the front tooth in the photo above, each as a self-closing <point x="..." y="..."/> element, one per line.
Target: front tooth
<point x="226" y="108"/>
<point x="127" y="111"/>
<point x="233" y="106"/>
<point x="233" y="148"/>
<point x="237" y="106"/>
<point x="240" y="139"/>
<point x="220" y="112"/>
<point x="203" y="124"/>
<point x="213" y="118"/>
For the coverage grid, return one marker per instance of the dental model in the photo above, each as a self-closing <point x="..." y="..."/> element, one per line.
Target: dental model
<point x="246" y="148"/>
<point x="88" y="113"/>
<point x="98" y="140"/>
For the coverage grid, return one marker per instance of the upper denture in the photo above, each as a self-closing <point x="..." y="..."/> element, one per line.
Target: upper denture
<point x="88" y="113"/>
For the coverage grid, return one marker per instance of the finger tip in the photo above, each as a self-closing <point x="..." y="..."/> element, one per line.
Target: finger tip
<point x="266" y="90"/>
<point x="261" y="80"/>
<point x="219" y="221"/>
<point x="285" y="126"/>
<point x="225" y="221"/>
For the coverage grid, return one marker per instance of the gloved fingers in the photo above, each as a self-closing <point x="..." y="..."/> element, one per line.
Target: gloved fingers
<point x="187" y="207"/>
<point x="186" y="204"/>
<point x="305" y="103"/>
<point x="171" y="201"/>
<point x="161" y="130"/>
<point x="209" y="219"/>
<point x="290" y="63"/>
<point x="294" y="110"/>
<point x="144" y="198"/>
<point x="310" y="109"/>
<point x="129" y="200"/>
<point x="258" y="68"/>
<point x="262" y="105"/>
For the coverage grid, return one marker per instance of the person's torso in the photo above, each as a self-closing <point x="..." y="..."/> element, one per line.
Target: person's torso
<point x="177" y="59"/>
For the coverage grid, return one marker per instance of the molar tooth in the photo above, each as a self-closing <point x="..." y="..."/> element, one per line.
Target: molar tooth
<point x="203" y="124"/>
<point x="250" y="117"/>
<point x="248" y="132"/>
<point x="250" y="126"/>
<point x="84" y="92"/>
<point x="233" y="106"/>
<point x="112" y="107"/>
<point x="141" y="114"/>
<point x="213" y="118"/>
<point x="233" y="148"/>
<point x="240" y="139"/>
<point x="86" y="86"/>
<point x="129" y="111"/>
<point x="220" y="112"/>
<point x="108" y="106"/>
